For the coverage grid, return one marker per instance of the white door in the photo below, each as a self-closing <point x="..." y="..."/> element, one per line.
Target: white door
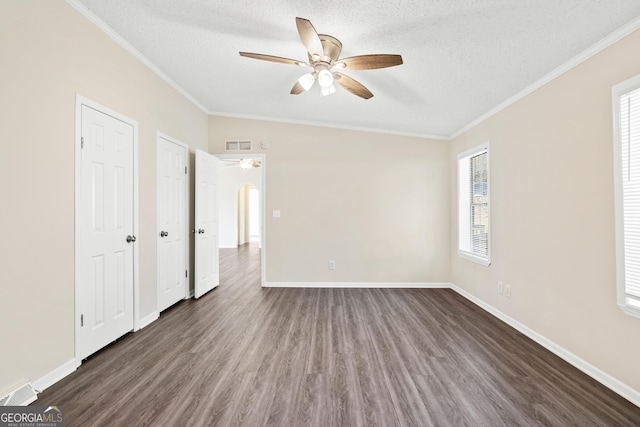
<point x="104" y="285"/>
<point x="207" y="274"/>
<point x="172" y="225"/>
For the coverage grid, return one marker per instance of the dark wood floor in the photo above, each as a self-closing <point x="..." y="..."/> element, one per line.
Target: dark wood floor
<point x="243" y="355"/>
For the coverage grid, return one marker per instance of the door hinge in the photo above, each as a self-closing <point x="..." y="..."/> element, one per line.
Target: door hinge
<point x="82" y="320"/>
<point x="82" y="142"/>
<point x="185" y="170"/>
<point x="186" y="273"/>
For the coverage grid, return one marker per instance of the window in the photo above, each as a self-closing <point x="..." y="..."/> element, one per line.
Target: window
<point x="473" y="205"/>
<point x="626" y="140"/>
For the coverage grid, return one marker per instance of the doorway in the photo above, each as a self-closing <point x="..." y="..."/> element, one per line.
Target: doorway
<point x="248" y="214"/>
<point x="242" y="203"/>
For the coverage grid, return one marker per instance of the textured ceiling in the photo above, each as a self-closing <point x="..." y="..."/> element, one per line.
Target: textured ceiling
<point x="462" y="58"/>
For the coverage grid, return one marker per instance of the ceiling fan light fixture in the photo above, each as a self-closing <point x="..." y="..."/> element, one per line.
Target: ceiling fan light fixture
<point x="306" y="81"/>
<point x="246" y="163"/>
<point x="328" y="90"/>
<point x="325" y="78"/>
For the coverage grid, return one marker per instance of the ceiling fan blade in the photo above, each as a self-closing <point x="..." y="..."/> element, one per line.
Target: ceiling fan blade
<point x="370" y="62"/>
<point x="272" y="58"/>
<point x="353" y="86"/>
<point x="297" y="89"/>
<point x="309" y="37"/>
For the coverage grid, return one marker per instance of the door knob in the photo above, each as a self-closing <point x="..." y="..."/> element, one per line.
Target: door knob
<point x="164" y="234"/>
<point x="200" y="230"/>
<point x="131" y="239"/>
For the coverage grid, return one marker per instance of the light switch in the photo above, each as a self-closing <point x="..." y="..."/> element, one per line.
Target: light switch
<point x="276" y="213"/>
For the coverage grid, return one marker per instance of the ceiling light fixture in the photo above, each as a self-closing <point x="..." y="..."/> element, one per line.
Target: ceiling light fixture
<point x="246" y="163"/>
<point x="325" y="77"/>
<point x="306" y="81"/>
<point x="328" y="90"/>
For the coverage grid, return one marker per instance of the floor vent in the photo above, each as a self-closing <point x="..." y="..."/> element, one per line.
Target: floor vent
<point x="21" y="397"/>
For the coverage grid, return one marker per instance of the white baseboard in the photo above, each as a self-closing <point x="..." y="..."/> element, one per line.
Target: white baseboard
<point x="149" y="319"/>
<point x="355" y="285"/>
<point x="602" y="377"/>
<point x="54" y="376"/>
<point x="69" y="367"/>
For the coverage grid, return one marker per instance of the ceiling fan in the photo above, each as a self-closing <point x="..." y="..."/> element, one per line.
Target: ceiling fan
<point x="245" y="163"/>
<point x="324" y="52"/>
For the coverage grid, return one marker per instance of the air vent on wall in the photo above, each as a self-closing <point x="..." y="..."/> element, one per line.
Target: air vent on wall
<point x="238" y="145"/>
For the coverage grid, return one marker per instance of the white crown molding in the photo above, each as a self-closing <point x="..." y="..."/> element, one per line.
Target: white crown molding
<point x="329" y="125"/>
<point x="84" y="11"/>
<point x="575" y="61"/>
<point x="602" y="377"/>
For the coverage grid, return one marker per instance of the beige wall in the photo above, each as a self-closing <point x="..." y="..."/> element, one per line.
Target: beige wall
<point x="371" y="202"/>
<point x="552" y="214"/>
<point x="49" y="53"/>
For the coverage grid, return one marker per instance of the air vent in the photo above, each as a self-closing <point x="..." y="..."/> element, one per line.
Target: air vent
<point x="21" y="397"/>
<point x="238" y="145"/>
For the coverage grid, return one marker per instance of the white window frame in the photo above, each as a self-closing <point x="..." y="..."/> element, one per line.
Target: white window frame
<point x="630" y="304"/>
<point x="464" y="206"/>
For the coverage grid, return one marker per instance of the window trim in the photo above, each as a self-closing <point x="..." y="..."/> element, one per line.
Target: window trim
<point x="464" y="254"/>
<point x="629" y="306"/>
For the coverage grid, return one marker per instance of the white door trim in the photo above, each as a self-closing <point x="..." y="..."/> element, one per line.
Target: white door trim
<point x="80" y="101"/>
<point x="186" y="213"/>
<point x="263" y="200"/>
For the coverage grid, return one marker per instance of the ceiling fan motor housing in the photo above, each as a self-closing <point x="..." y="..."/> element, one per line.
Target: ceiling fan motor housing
<point x="331" y="47"/>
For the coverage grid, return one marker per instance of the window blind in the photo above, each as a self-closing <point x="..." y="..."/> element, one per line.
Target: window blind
<point x="629" y="115"/>
<point x="473" y="205"/>
<point x="479" y="205"/>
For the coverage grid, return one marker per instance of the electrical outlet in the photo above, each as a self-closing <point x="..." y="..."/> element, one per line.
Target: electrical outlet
<point x="500" y="288"/>
<point x="507" y="290"/>
<point x="332" y="264"/>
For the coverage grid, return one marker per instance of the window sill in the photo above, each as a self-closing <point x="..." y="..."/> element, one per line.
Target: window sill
<point x="631" y="310"/>
<point x="474" y="258"/>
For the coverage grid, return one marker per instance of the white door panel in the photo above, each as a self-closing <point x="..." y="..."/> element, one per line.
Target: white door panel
<point x="172" y="225"/>
<point x="105" y="282"/>
<point x="206" y="221"/>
